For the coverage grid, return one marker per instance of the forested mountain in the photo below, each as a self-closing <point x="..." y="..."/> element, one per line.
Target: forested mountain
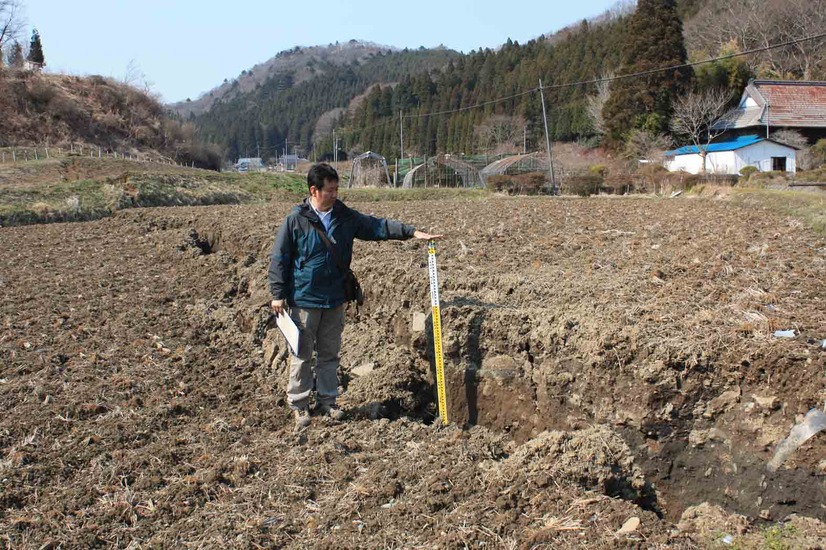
<point x="290" y="109"/>
<point x="301" y="63"/>
<point x="483" y="77"/>
<point x="417" y="81"/>
<point x="440" y="92"/>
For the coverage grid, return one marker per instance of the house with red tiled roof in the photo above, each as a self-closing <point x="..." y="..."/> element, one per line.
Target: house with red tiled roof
<point x="770" y="105"/>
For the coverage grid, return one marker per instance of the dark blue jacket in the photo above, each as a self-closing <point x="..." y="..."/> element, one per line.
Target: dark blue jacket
<point x="303" y="271"/>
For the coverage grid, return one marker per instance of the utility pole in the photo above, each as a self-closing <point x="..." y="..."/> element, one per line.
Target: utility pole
<point x="554" y="190"/>
<point x="401" y="132"/>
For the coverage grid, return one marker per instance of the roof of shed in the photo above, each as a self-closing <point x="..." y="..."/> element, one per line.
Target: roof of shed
<point x="727" y="145"/>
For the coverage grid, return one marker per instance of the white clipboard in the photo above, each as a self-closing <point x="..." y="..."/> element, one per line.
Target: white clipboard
<point x="288" y="329"/>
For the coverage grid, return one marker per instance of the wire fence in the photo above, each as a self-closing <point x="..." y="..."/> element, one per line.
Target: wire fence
<point x="24" y="154"/>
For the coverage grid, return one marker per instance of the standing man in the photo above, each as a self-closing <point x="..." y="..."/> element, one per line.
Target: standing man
<point x="305" y="276"/>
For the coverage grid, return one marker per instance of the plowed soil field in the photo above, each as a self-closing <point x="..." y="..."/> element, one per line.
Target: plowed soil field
<point x="613" y="380"/>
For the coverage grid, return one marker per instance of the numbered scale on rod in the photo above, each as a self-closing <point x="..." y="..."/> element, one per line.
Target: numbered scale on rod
<point x="437" y="331"/>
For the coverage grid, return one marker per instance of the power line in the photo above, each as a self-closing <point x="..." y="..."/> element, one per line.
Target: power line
<point x="533" y="90"/>
<point x="692" y="64"/>
<point x="599" y="80"/>
<point x="624" y="76"/>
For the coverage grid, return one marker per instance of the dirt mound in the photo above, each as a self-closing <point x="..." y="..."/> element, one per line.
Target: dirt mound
<point x="595" y="458"/>
<point x="610" y="364"/>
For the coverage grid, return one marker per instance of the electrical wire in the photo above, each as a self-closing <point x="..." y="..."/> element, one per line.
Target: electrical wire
<point x="624" y="76"/>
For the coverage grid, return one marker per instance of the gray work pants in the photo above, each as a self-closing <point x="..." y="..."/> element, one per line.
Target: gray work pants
<point x="319" y="331"/>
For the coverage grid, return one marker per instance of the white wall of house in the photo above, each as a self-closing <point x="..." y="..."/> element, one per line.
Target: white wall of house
<point x="760" y="155"/>
<point x="684" y="163"/>
<point x="722" y="162"/>
<point x="731" y="162"/>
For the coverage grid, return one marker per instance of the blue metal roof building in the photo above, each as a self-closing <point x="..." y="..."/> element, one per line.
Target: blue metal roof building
<point x="731" y="144"/>
<point x="732" y="155"/>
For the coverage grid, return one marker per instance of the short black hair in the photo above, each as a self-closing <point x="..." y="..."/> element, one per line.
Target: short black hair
<point x="319" y="174"/>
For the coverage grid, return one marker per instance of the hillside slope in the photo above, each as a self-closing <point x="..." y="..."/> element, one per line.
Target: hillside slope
<point x="55" y="110"/>
<point x="301" y="63"/>
<point x="284" y="102"/>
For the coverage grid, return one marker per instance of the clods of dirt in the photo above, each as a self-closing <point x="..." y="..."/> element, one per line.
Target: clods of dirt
<point x="606" y="360"/>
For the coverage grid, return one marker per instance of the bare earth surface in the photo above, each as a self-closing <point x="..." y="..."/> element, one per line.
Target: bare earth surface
<point x="610" y="362"/>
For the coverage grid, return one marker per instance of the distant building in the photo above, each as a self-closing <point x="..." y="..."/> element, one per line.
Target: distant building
<point x="249" y="164"/>
<point x="770" y="105"/>
<point x="33" y="66"/>
<point x="289" y="162"/>
<point x="732" y="155"/>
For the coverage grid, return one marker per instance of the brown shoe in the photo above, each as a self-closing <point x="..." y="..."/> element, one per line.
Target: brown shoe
<point x="333" y="411"/>
<point x="302" y="418"/>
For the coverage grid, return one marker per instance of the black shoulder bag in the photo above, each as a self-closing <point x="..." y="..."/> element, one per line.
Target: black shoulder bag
<point x="352" y="288"/>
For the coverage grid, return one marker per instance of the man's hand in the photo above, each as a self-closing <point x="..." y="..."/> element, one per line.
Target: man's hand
<point x="425" y="236"/>
<point x="278" y="306"/>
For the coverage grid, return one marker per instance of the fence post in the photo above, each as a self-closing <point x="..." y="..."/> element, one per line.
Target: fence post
<point x="99" y="152"/>
<point x="35" y="154"/>
<point x="13" y="155"/>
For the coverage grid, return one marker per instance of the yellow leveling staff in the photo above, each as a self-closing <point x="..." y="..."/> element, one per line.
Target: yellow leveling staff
<point x="437" y="330"/>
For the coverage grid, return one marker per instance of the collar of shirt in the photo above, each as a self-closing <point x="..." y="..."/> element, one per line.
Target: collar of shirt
<point x="325" y="217"/>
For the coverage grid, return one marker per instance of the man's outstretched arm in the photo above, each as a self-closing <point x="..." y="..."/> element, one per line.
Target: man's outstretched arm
<point x="426" y="236"/>
<point x="372" y="228"/>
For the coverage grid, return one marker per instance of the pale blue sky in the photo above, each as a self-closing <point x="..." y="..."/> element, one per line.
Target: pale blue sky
<point x="187" y="47"/>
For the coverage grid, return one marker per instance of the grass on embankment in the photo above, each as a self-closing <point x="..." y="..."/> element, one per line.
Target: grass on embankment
<point x="808" y="207"/>
<point x="87" y="189"/>
<point x="80" y="189"/>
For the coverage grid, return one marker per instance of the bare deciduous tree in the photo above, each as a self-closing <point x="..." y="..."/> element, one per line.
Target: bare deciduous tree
<point x="802" y="18"/>
<point x="760" y="23"/>
<point x="134" y="77"/>
<point x="648" y="146"/>
<point x="597" y="102"/>
<point x="11" y="22"/>
<point x="694" y="115"/>
<point x="501" y="134"/>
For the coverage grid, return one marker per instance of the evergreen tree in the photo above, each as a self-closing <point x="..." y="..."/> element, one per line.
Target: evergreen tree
<point x="654" y="40"/>
<point x="36" y="49"/>
<point x="16" y="55"/>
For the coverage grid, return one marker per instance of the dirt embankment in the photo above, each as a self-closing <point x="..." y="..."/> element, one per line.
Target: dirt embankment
<point x="84" y="189"/>
<point x="611" y="361"/>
